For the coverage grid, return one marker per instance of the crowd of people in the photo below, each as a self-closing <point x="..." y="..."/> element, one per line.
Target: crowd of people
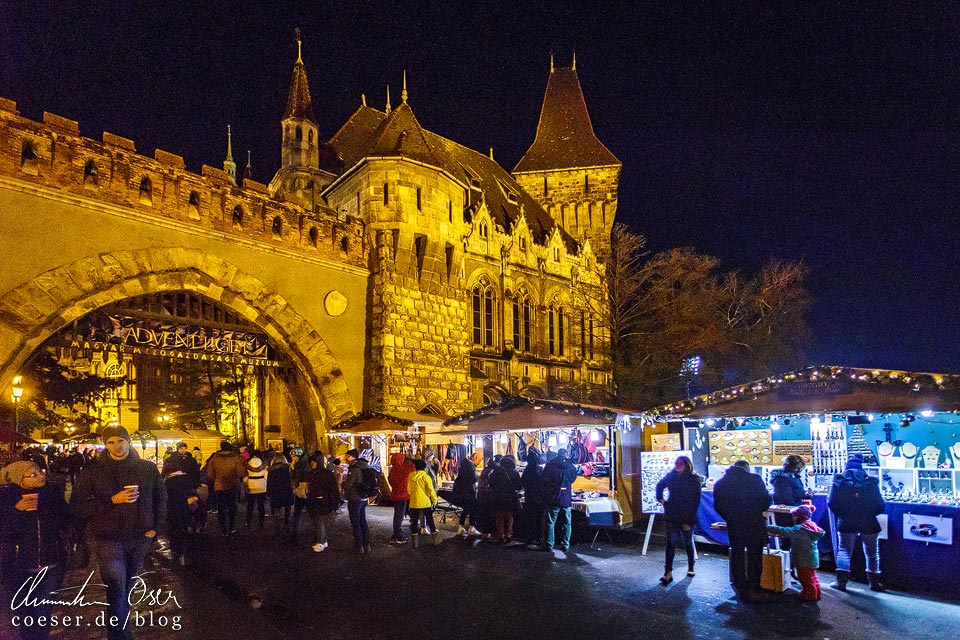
<point x="119" y="502"/>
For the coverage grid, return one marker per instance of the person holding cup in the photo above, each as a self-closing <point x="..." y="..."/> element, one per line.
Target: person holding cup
<point x="124" y="501"/>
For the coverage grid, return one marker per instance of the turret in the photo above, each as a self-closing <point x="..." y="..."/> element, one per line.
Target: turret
<point x="229" y="166"/>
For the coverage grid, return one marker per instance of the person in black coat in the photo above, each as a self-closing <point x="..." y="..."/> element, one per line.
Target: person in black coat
<point x="856" y="502"/>
<point x="124" y="500"/>
<point x="534" y="508"/>
<point x="788" y="490"/>
<point x="280" y="489"/>
<point x="183" y="460"/>
<point x="556" y="485"/>
<point x="182" y="500"/>
<point x="504" y="485"/>
<point x="323" y="500"/>
<point x="679" y="511"/>
<point x="741" y="498"/>
<point x="465" y="496"/>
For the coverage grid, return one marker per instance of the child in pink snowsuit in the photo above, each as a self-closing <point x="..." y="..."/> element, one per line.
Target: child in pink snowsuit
<point x="804" y="553"/>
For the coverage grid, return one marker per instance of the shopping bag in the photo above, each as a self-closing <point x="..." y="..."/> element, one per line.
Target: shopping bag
<point x="776" y="570"/>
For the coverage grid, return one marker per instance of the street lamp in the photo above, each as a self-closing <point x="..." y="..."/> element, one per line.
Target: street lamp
<point x="17" y="393"/>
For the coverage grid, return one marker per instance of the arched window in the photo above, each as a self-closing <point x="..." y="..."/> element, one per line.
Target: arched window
<point x="193" y="205"/>
<point x="313" y="236"/>
<point x="484" y="232"/>
<point x="146" y="192"/>
<point x="587" y="335"/>
<point x="299" y="133"/>
<point x="28" y="159"/>
<point x="345" y="244"/>
<point x="238" y="217"/>
<point x="521" y="320"/>
<point x="90" y="177"/>
<point x="113" y="371"/>
<point x="277" y="228"/>
<point x="555" y="330"/>
<point x="484" y="313"/>
<point x="310" y="136"/>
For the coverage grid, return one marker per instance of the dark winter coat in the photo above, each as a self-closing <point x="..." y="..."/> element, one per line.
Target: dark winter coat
<point x="741" y="498"/>
<point x="279" y="485"/>
<point x="558" y="473"/>
<point x="323" y="494"/>
<point x="504" y="485"/>
<point x="91" y="499"/>
<point x="788" y="488"/>
<point x="532" y="495"/>
<point x="465" y="485"/>
<point x="39" y="534"/>
<point x="179" y="490"/>
<point x="354" y="480"/>
<point x="186" y="463"/>
<point x="856" y="502"/>
<point x="684" y="499"/>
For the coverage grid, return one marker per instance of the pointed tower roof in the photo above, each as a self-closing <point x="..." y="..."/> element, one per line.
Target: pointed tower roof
<point x="565" y="137"/>
<point x="299" y="104"/>
<point x="400" y="134"/>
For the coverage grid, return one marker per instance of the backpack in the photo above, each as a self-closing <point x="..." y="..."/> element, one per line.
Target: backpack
<point x="550" y="487"/>
<point x="369" y="483"/>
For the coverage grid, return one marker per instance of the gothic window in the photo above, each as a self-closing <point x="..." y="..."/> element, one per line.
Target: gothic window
<point x="484" y="313"/>
<point x="590" y="214"/>
<point x="146" y="192"/>
<point x="419" y="199"/>
<point x="310" y="136"/>
<point x="112" y="371"/>
<point x="523" y="243"/>
<point x="483" y="230"/>
<point x="556" y="254"/>
<point x="238" y="216"/>
<point x="299" y="133"/>
<point x="386" y="193"/>
<point x="345" y="245"/>
<point x="586" y="335"/>
<point x="586" y="184"/>
<point x="555" y="330"/>
<point x="277" y="228"/>
<point x="90" y="177"/>
<point x="420" y="249"/>
<point x="450" y="209"/>
<point x="28" y="159"/>
<point x="313" y="236"/>
<point x="521" y="321"/>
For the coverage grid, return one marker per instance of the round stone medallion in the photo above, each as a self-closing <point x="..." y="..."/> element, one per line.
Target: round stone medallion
<point x="335" y="303"/>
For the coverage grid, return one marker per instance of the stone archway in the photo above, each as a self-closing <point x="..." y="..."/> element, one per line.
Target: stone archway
<point x="38" y="308"/>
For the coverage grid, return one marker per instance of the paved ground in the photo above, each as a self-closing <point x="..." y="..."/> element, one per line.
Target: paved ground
<point x="249" y="586"/>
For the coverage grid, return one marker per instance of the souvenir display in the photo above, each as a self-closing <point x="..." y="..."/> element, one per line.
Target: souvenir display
<point x="829" y="443"/>
<point x="784" y="448"/>
<point x="654" y="465"/>
<point x="665" y="441"/>
<point x="753" y="445"/>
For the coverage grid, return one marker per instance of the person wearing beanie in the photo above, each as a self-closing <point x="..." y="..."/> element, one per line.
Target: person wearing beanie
<point x="556" y="483"/>
<point x="423" y="499"/>
<point x="804" y="551"/>
<point x="256" y="484"/>
<point x="856" y="502"/>
<point x="356" y="500"/>
<point x="226" y="472"/>
<point x="182" y="460"/>
<point x="124" y="501"/>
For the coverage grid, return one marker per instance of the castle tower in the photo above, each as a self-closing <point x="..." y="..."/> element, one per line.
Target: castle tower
<point x="567" y="169"/>
<point x="305" y="164"/>
<point x="229" y="166"/>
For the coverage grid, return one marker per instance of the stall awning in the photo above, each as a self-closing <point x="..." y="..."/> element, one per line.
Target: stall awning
<point x="518" y="414"/>
<point x="826" y="390"/>
<point x="375" y="423"/>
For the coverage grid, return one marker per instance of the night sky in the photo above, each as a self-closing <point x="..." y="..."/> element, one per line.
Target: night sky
<point x="809" y="132"/>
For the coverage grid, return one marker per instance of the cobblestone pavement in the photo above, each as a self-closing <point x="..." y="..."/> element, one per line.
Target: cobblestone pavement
<point x="251" y="586"/>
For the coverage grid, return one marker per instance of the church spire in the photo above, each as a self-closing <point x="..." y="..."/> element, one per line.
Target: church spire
<point x="299" y="104"/>
<point x="574" y="66"/>
<point x="551" y="62"/>
<point x="299" y="51"/>
<point x="388" y="100"/>
<point x="229" y="166"/>
<point x="403" y="94"/>
<point x="248" y="171"/>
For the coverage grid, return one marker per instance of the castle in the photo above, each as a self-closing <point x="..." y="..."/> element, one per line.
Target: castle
<point x="391" y="268"/>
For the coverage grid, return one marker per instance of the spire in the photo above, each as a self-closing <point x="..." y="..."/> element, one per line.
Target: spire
<point x="363" y="99"/>
<point x="574" y="66"/>
<point x="491" y="153"/>
<point x="248" y="171"/>
<point x="229" y="166"/>
<point x="403" y="94"/>
<point x="388" y="100"/>
<point x="299" y="104"/>
<point x="551" y="62"/>
<point x="565" y="138"/>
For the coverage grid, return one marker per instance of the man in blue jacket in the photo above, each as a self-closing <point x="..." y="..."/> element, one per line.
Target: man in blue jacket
<point x="124" y="500"/>
<point x="556" y="483"/>
<point x="741" y="498"/>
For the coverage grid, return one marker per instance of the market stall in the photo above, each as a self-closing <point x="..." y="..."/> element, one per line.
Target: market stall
<point x="588" y="432"/>
<point x="905" y="426"/>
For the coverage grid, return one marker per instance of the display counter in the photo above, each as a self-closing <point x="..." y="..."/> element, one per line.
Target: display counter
<point x="917" y="551"/>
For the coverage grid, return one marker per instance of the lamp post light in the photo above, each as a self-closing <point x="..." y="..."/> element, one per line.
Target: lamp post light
<point x="17" y="394"/>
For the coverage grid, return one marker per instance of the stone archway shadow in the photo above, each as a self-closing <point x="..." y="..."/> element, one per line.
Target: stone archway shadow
<point x="38" y="308"/>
